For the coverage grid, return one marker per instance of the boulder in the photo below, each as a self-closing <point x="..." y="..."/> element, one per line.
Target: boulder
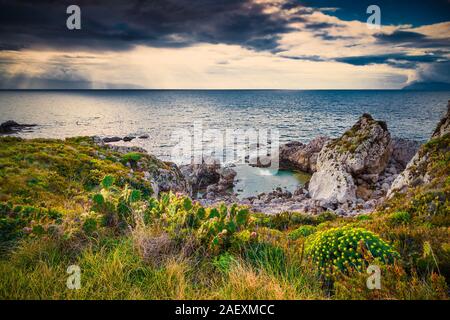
<point x="362" y="151"/>
<point x="299" y="156"/>
<point x="332" y="183"/>
<point x="227" y="176"/>
<point x="200" y="176"/>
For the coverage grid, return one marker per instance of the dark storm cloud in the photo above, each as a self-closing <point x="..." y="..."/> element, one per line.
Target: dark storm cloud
<point x="438" y="72"/>
<point x="314" y="58"/>
<point x="320" y="25"/>
<point x="395" y="60"/>
<point x="411" y="39"/>
<point x="119" y="25"/>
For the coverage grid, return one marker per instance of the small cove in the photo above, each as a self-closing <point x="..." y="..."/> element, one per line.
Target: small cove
<point x="251" y="181"/>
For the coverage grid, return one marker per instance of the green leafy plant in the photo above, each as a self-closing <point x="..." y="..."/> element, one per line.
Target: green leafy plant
<point x="132" y="157"/>
<point x="400" y="217"/>
<point x="224" y="262"/>
<point x="347" y="247"/>
<point x="116" y="204"/>
<point x="302" y="231"/>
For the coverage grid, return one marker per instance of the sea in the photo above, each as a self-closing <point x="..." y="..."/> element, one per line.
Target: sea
<point x="294" y="115"/>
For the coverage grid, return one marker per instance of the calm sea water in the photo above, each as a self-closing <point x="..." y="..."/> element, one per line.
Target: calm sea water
<point x="298" y="115"/>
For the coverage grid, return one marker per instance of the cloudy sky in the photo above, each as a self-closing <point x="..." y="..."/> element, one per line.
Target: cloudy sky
<point x="210" y="44"/>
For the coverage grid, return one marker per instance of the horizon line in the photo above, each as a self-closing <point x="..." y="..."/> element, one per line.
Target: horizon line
<point x="206" y="89"/>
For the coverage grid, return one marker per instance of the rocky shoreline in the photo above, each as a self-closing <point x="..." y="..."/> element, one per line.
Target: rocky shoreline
<point x="351" y="175"/>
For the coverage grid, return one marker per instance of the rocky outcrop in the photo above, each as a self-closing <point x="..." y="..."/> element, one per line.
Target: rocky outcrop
<point x="163" y="176"/>
<point x="403" y="150"/>
<point x="209" y="176"/>
<point x="9" y="127"/>
<point x="200" y="176"/>
<point x="360" y="153"/>
<point x="299" y="156"/>
<point x="421" y="169"/>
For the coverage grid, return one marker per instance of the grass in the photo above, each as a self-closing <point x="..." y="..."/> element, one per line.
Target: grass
<point x="131" y="246"/>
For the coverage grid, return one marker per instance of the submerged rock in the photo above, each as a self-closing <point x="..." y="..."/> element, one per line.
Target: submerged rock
<point x="128" y="138"/>
<point x="10" y="126"/>
<point x="111" y="139"/>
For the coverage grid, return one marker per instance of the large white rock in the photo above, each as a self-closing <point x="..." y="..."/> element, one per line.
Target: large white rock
<point x="332" y="184"/>
<point x="363" y="150"/>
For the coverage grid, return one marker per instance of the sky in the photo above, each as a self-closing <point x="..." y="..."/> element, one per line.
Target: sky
<point x="223" y="44"/>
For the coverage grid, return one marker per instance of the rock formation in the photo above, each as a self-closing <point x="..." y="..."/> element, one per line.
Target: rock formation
<point x="420" y="170"/>
<point x="209" y="176"/>
<point x="361" y="152"/>
<point x="299" y="156"/>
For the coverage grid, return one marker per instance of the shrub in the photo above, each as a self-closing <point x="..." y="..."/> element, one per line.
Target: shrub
<point x="131" y="157"/>
<point x="302" y="231"/>
<point x="400" y="217"/>
<point x="215" y="228"/>
<point x="347" y="247"/>
<point x="90" y="226"/>
<point x="115" y="204"/>
<point x="326" y="216"/>
<point x="364" y="217"/>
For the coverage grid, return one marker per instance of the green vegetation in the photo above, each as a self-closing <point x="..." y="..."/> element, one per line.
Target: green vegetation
<point x="302" y="231"/>
<point x="348" y="247"/>
<point x="71" y="202"/>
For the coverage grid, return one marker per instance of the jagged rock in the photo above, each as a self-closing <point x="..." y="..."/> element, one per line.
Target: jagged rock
<point x="296" y="155"/>
<point x="364" y="149"/>
<point x="443" y="126"/>
<point x="418" y="171"/>
<point x="361" y="152"/>
<point x="227" y="176"/>
<point x="403" y="150"/>
<point x="10" y="126"/>
<point x="200" y="176"/>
